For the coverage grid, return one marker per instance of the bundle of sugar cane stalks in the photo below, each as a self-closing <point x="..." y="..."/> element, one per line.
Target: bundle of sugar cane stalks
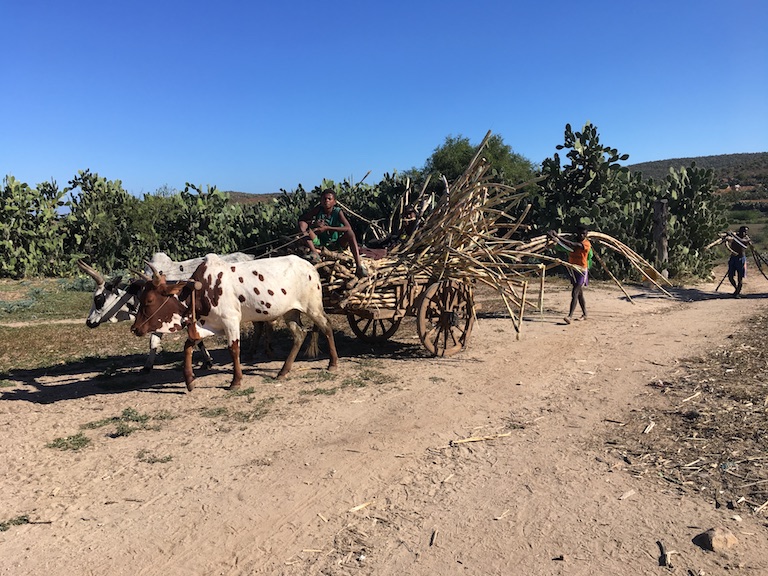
<point x="465" y="236"/>
<point x="534" y="248"/>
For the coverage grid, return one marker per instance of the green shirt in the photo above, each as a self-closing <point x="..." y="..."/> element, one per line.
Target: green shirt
<point x="330" y="237"/>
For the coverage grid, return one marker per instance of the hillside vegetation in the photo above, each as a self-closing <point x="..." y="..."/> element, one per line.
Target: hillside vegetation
<point x="731" y="170"/>
<point x="748" y="171"/>
<point x="45" y="230"/>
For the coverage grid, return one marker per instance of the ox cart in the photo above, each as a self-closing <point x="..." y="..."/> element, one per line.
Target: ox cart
<point x="471" y="235"/>
<point x="444" y="308"/>
<point x="463" y="239"/>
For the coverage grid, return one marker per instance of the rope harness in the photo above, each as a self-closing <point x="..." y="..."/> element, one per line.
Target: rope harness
<point x="156" y="312"/>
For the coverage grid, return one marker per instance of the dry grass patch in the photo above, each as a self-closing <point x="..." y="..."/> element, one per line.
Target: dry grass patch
<point x="709" y="431"/>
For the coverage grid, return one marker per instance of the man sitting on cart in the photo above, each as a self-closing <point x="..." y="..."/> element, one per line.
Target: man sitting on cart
<point x="325" y="225"/>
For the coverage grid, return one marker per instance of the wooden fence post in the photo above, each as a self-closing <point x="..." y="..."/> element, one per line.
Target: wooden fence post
<point x="660" y="217"/>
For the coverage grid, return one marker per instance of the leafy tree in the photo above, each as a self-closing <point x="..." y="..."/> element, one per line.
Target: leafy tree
<point x="31" y="238"/>
<point x="451" y="158"/>
<point x="196" y="222"/>
<point x="511" y="168"/>
<point x="594" y="190"/>
<point x="454" y="155"/>
<point x="579" y="193"/>
<point x="697" y="216"/>
<point x="268" y="225"/>
<point x="100" y="222"/>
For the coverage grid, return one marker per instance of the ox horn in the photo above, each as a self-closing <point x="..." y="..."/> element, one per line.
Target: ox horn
<point x="157" y="277"/>
<point x="98" y="278"/>
<point x="141" y="274"/>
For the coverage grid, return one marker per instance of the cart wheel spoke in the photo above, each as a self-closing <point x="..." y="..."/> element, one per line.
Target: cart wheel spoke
<point x="445" y="318"/>
<point x="372" y="330"/>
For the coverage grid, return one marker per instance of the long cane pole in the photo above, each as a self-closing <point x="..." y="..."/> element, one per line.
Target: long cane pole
<point x="721" y="281"/>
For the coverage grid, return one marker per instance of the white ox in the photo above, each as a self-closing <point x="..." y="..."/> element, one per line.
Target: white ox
<point x="221" y="295"/>
<point x="113" y="304"/>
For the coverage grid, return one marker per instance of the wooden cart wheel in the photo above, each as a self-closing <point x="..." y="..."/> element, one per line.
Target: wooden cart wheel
<point x="372" y="329"/>
<point x="445" y="320"/>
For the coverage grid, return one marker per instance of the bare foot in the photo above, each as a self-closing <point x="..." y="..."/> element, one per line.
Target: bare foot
<point x="567" y="319"/>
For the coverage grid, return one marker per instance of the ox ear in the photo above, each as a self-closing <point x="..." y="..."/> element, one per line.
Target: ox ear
<point x="135" y="286"/>
<point x="189" y="287"/>
<point x="114" y="283"/>
<point x="171" y="289"/>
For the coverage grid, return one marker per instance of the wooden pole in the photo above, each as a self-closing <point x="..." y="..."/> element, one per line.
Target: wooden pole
<point x="602" y="264"/>
<point x="660" y="217"/>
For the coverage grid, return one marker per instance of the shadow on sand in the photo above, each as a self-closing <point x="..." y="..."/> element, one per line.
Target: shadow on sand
<point x="119" y="374"/>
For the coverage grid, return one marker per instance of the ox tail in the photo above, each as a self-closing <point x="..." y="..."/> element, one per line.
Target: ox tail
<point x="313" y="350"/>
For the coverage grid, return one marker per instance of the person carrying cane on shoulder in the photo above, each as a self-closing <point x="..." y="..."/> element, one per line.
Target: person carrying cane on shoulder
<point x="737" y="264"/>
<point x="578" y="256"/>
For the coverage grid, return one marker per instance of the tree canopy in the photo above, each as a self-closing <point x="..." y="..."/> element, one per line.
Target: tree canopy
<point x="452" y="157"/>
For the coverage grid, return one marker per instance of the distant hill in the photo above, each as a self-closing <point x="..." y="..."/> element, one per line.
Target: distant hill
<point x="745" y="170"/>
<point x="246" y="198"/>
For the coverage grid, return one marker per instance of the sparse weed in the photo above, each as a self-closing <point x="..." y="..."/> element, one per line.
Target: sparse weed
<point x="365" y="377"/>
<point x="320" y="392"/>
<point x="214" y="412"/>
<point x="6" y="384"/>
<point x="258" y="411"/>
<point x="15" y="306"/>
<point x="79" y="284"/>
<point x="149" y="458"/>
<point x="126" y="422"/>
<point x="355" y="382"/>
<point x="163" y="415"/>
<point x="133" y="415"/>
<point x="247" y="392"/>
<point x="376" y="377"/>
<point x="18" y="521"/>
<point x="76" y="442"/>
<point x="320" y="376"/>
<point x="123" y="429"/>
<point x="436" y="379"/>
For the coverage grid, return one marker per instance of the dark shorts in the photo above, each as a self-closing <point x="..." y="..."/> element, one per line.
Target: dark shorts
<point x="737" y="265"/>
<point x="579" y="278"/>
<point x="332" y="240"/>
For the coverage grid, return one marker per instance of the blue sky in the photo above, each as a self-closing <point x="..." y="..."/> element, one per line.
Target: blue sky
<point x="258" y="96"/>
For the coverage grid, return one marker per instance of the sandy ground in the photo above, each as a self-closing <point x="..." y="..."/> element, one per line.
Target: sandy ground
<point x="377" y="478"/>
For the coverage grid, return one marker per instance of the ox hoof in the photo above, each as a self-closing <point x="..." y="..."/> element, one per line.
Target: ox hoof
<point x="190" y="386"/>
<point x="234" y="386"/>
<point x="333" y="367"/>
<point x="146" y="369"/>
<point x="207" y="365"/>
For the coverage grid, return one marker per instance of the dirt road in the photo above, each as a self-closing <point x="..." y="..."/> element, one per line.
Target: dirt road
<point x="495" y="461"/>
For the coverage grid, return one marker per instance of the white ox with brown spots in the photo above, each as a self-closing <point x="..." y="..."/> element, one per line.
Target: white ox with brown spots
<point x="113" y="304"/>
<point x="221" y="295"/>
